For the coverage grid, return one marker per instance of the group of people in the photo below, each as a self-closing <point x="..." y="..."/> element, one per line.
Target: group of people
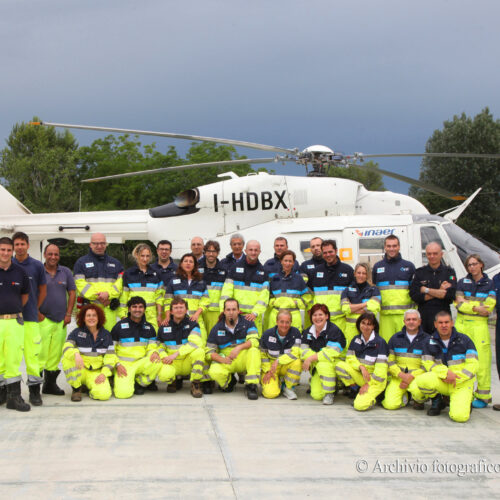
<point x="236" y="319"/>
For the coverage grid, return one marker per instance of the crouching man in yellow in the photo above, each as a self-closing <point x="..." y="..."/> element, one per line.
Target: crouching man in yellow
<point x="280" y="353"/>
<point x="181" y="350"/>
<point x="365" y="367"/>
<point x="136" y="347"/>
<point x="233" y="347"/>
<point x="405" y="361"/>
<point x="89" y="355"/>
<point x="450" y="359"/>
<point x="322" y="345"/>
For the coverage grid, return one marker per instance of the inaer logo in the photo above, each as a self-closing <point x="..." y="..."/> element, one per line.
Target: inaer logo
<point x="375" y="232"/>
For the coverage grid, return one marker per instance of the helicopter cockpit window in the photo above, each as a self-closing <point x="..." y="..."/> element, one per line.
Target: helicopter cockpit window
<point x="429" y="234"/>
<point x="467" y="244"/>
<point x="371" y="250"/>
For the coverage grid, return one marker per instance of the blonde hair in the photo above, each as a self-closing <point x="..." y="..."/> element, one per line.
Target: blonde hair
<point x="366" y="267"/>
<point x="139" y="248"/>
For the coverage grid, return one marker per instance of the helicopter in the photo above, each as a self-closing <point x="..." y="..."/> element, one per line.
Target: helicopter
<point x="262" y="206"/>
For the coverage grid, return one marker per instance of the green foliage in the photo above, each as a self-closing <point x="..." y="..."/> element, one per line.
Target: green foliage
<point x="39" y="167"/>
<point x="372" y="180"/>
<point x="463" y="134"/>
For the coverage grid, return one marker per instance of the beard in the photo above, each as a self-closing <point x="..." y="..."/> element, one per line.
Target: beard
<point x="231" y="321"/>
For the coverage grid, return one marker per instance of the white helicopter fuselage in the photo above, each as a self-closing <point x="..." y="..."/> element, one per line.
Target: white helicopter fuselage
<point x="260" y="207"/>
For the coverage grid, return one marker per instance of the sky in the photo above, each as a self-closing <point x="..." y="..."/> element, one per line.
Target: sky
<point x="357" y="76"/>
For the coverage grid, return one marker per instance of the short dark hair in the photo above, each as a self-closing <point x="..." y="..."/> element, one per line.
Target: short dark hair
<point x="319" y="307"/>
<point x="80" y="318"/>
<point x="164" y="242"/>
<point x="281" y="238"/>
<point x="5" y="240"/>
<point x="21" y="236"/>
<point x="136" y="299"/>
<point x="178" y="300"/>
<point x="50" y="245"/>
<point x="391" y="237"/>
<point x="329" y="243"/>
<point x="231" y="300"/>
<point x="370" y="317"/>
<point x="288" y="252"/>
<point x="212" y="243"/>
<point x="441" y="314"/>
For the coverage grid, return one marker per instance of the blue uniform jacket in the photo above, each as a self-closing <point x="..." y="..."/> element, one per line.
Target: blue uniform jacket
<point x="133" y="277"/>
<point x="479" y="290"/>
<point x="459" y="348"/>
<point x="370" y="353"/>
<point x="357" y="295"/>
<point x="332" y="336"/>
<point x="393" y="271"/>
<point x="308" y="267"/>
<point x="177" y="333"/>
<point x="334" y="277"/>
<point x="228" y="261"/>
<point x="293" y="284"/>
<point x="98" y="267"/>
<point x="271" y="342"/>
<point x="220" y="337"/>
<point x="165" y="273"/>
<point x="129" y="333"/>
<point x="212" y="276"/>
<point x="273" y="266"/>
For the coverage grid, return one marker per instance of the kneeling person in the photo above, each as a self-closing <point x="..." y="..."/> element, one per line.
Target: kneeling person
<point x="181" y="350"/>
<point x="136" y="347"/>
<point x="451" y="361"/>
<point x="89" y="355"/>
<point x="365" y="367"/>
<point x="233" y="347"/>
<point x="322" y="345"/>
<point x="405" y="361"/>
<point x="280" y="353"/>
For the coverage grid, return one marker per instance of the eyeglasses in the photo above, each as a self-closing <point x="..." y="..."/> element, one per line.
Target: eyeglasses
<point x="473" y="264"/>
<point x="98" y="243"/>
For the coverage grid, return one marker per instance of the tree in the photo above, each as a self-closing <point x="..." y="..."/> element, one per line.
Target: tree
<point x="463" y="134"/>
<point x="371" y="180"/>
<point x="39" y="167"/>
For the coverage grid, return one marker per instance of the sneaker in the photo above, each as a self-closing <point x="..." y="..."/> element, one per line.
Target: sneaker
<point x="196" y="390"/>
<point x="252" y="393"/>
<point x="289" y="393"/>
<point x="479" y="403"/>
<point x="328" y="399"/>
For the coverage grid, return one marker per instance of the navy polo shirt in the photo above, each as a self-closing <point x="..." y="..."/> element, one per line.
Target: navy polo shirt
<point x="55" y="304"/>
<point x="14" y="282"/>
<point x="36" y="274"/>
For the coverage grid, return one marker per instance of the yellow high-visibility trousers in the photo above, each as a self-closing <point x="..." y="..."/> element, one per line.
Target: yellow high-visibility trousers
<point x="289" y="374"/>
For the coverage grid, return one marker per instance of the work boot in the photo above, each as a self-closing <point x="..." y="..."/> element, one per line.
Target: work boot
<point x="50" y="385"/>
<point x="138" y="389"/>
<point x="252" y="393"/>
<point x="3" y="394"/>
<point x="76" y="395"/>
<point x="436" y="407"/>
<point x="231" y="384"/>
<point x="207" y="387"/>
<point x="178" y="383"/>
<point x="418" y="406"/>
<point x="35" y="397"/>
<point x="14" y="399"/>
<point x="152" y="387"/>
<point x="241" y="378"/>
<point x="196" y="389"/>
<point x="352" y="391"/>
<point x="172" y="387"/>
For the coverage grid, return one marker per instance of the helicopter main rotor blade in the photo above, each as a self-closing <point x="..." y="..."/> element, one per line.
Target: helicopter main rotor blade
<point x="409" y="180"/>
<point x="182" y="167"/>
<point x="252" y="145"/>
<point x="430" y="155"/>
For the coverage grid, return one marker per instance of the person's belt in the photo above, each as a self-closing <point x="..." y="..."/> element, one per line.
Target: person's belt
<point x="11" y="316"/>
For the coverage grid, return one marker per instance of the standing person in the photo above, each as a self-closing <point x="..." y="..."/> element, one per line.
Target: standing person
<point x="496" y="282"/>
<point x="31" y="314"/>
<point x="143" y="281"/>
<point x="237" y="243"/>
<point x="359" y="297"/>
<point x="365" y="369"/>
<point x="89" y="355"/>
<point x="329" y="280"/>
<point x="233" y="347"/>
<point x="136" y="348"/>
<point x="273" y="266"/>
<point x="197" y="247"/>
<point x="392" y="275"/>
<point x="308" y="267"/>
<point x="406" y="350"/>
<point x="280" y="353"/>
<point x="450" y="360"/>
<point x="214" y="276"/>
<point x="181" y="350"/>
<point x="98" y="279"/>
<point x="288" y="291"/>
<point x="164" y="266"/>
<point x="433" y="287"/>
<point x="14" y="294"/>
<point x="475" y="301"/>
<point x="248" y="283"/>
<point x="56" y="311"/>
<point x="322" y="344"/>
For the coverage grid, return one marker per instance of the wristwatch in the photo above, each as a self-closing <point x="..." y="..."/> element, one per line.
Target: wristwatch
<point x="426" y="290"/>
